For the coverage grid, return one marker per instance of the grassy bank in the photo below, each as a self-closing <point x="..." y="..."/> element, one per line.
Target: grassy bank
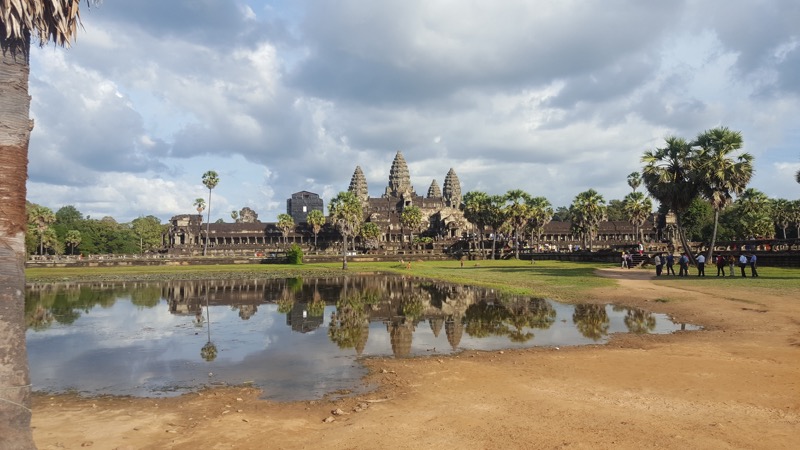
<point x="551" y="279"/>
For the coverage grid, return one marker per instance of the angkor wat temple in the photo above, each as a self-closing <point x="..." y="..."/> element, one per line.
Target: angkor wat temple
<point x="443" y="223"/>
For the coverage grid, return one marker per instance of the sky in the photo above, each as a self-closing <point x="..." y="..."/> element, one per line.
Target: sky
<point x="552" y="97"/>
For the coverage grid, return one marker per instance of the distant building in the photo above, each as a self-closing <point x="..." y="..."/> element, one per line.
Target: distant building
<point x="301" y="204"/>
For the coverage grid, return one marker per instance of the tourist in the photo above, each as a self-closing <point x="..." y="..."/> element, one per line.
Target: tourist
<point x="683" y="265"/>
<point x="701" y="265"/>
<point x="624" y="260"/>
<point x="742" y="263"/>
<point x="720" y="265"/>
<point x="640" y="247"/>
<point x="753" y="271"/>
<point x="657" y="263"/>
<point x="732" y="264"/>
<point x="670" y="263"/>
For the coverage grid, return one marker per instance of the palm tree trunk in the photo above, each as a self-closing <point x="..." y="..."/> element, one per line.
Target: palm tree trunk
<point x="710" y="256"/>
<point x="682" y="236"/>
<point x="15" y="413"/>
<point x="208" y="223"/>
<point x="344" y="251"/>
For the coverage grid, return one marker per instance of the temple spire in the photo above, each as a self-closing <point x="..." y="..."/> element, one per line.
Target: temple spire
<point x="434" y="190"/>
<point x="358" y="185"/>
<point x="452" y="190"/>
<point x="399" y="178"/>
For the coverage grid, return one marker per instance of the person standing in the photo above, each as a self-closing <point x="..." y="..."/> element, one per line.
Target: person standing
<point x="624" y="260"/>
<point x="701" y="265"/>
<point x="683" y="265"/>
<point x="657" y="262"/>
<point x="640" y="247"/>
<point x="753" y="271"/>
<point x="743" y="264"/>
<point x="670" y="263"/>
<point x="732" y="264"/>
<point x="720" y="265"/>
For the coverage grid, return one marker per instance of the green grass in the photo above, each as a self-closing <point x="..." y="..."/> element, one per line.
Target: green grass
<point x="549" y="279"/>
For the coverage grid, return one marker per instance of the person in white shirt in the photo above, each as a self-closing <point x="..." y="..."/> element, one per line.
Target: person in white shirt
<point x="742" y="263"/>
<point x="701" y="265"/>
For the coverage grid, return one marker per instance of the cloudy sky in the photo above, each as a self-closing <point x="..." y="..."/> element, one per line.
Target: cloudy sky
<point x="550" y="96"/>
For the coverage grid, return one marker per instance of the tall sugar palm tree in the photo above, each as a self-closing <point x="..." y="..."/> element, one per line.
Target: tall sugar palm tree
<point x="755" y="215"/>
<point x="210" y="181"/>
<point x="541" y="213"/>
<point x="495" y="218"/>
<point x="638" y="208"/>
<point x="720" y="172"/>
<point x="588" y="210"/>
<point x="782" y="214"/>
<point x="517" y="212"/>
<point x="634" y="180"/>
<point x="316" y="219"/>
<point x="346" y="213"/>
<point x="73" y="239"/>
<point x="48" y="21"/>
<point x="475" y="206"/>
<point x="286" y="224"/>
<point x="668" y="177"/>
<point x="199" y="205"/>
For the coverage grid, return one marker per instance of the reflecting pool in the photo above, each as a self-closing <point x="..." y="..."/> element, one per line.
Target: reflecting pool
<point x="295" y="338"/>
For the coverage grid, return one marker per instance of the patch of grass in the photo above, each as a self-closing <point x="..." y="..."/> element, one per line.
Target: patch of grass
<point x="662" y="300"/>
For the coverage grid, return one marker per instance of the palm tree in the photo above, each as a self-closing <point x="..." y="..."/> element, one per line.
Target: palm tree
<point x="210" y="180"/>
<point x="286" y="224"/>
<point x="634" y="180"/>
<point x="637" y="207"/>
<point x="668" y="177"/>
<point x="755" y="215"/>
<point x="517" y="212"/>
<point x="588" y="210"/>
<point x="797" y="176"/>
<point x="48" y="20"/>
<point x="199" y="205"/>
<point x="347" y="215"/>
<point x="721" y="175"/>
<point x="316" y="219"/>
<point x="495" y="217"/>
<point x="782" y="214"/>
<point x="73" y="239"/>
<point x="795" y="216"/>
<point x="475" y="206"/>
<point x="41" y="217"/>
<point x="541" y="213"/>
<point x="411" y="218"/>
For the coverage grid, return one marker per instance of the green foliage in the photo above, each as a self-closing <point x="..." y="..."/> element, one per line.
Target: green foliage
<point x="148" y="230"/>
<point x="616" y="211"/>
<point x="696" y="220"/>
<point x="295" y="254"/>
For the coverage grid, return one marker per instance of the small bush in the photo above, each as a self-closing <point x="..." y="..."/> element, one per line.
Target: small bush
<point x="295" y="254"/>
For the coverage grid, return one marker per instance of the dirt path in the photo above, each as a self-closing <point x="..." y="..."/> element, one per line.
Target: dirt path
<point x="734" y="385"/>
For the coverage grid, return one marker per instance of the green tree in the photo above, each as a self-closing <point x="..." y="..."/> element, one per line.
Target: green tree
<point x="616" y="211"/>
<point x="720" y="171"/>
<point x="541" y="213"/>
<point x="285" y="224"/>
<point x="316" y="219"/>
<point x="73" y="239"/>
<point x="235" y="216"/>
<point x="47" y="20"/>
<point x="411" y="218"/>
<point x="41" y="218"/>
<point x="210" y="181"/>
<point x="370" y="234"/>
<point x="637" y="207"/>
<point x="347" y="215"/>
<point x="668" y="177"/>
<point x="588" y="210"/>
<point x="782" y="214"/>
<point x="634" y="180"/>
<point x="199" y="205"/>
<point x="561" y="214"/>
<point x="476" y="205"/>
<point x="517" y="211"/>
<point x="755" y="215"/>
<point x="149" y="231"/>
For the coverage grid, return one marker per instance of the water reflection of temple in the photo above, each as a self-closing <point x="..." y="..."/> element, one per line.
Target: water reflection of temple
<point x="401" y="304"/>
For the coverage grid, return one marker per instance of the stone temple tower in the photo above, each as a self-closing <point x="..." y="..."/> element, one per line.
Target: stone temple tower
<point x="358" y="185"/>
<point x="452" y="190"/>
<point x="434" y="191"/>
<point x="399" y="179"/>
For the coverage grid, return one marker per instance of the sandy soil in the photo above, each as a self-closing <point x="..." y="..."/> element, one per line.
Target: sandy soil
<point x="734" y="385"/>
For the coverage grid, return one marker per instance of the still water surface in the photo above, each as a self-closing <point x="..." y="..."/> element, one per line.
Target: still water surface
<point x="295" y="338"/>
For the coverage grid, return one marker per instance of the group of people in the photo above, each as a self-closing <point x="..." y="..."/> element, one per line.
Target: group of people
<point x="668" y="260"/>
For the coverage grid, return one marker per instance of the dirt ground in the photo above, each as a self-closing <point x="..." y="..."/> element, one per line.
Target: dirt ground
<point x="734" y="385"/>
